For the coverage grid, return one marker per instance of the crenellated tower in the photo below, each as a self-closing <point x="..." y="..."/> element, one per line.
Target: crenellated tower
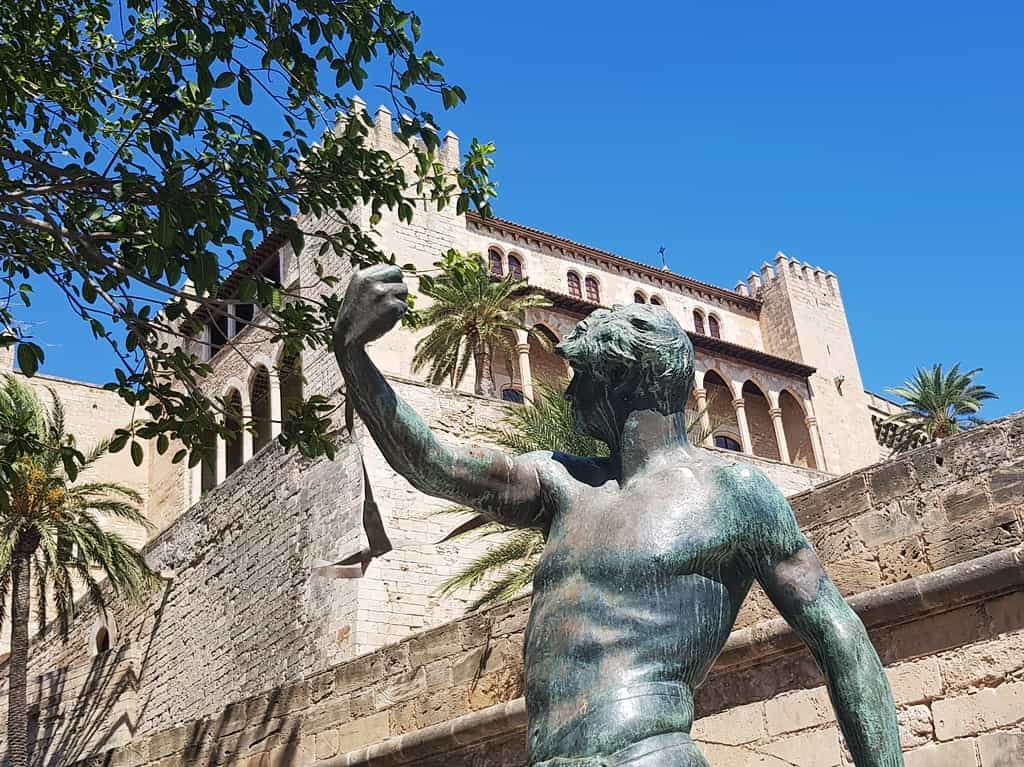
<point x="803" y="319"/>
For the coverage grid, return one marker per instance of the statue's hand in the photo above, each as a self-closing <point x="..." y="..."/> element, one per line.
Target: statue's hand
<point x="374" y="302"/>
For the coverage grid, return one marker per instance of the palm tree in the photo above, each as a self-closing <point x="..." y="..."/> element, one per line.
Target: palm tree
<point x="545" y="424"/>
<point x="49" y="533"/>
<point x="936" y="404"/>
<point x="472" y="317"/>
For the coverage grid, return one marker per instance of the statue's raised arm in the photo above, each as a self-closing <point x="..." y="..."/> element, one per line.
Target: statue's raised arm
<point x="497" y="484"/>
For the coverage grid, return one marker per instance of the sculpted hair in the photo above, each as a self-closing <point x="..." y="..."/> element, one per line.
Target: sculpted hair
<point x="638" y="351"/>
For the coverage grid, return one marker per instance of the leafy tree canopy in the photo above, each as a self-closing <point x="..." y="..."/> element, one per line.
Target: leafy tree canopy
<point x="142" y="165"/>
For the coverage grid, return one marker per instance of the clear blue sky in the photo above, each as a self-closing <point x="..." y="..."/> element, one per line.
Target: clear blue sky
<point x="881" y="141"/>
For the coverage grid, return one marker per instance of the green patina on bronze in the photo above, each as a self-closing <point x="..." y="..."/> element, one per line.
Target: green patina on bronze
<point x="650" y="552"/>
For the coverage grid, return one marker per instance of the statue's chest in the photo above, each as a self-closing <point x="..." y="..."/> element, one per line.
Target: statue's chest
<point x="672" y="523"/>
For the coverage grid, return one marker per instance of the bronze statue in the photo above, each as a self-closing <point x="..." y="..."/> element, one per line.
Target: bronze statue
<point x="650" y="552"/>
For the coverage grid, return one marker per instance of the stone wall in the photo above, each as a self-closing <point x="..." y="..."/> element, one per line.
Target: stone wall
<point x="239" y="611"/>
<point x="950" y="630"/>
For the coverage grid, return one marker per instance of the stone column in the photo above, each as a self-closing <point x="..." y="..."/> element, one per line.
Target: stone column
<point x="275" y="403"/>
<point x="195" y="483"/>
<point x="525" y="376"/>
<point x="741" y="420"/>
<point x="701" y="396"/>
<point x="222" y="459"/>
<point x="246" y="434"/>
<point x="780" y="434"/>
<point x="819" y="450"/>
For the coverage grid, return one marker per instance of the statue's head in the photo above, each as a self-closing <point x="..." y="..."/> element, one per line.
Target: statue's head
<point x="628" y="358"/>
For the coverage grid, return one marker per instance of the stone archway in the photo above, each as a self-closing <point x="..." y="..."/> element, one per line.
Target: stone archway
<point x="759" y="421"/>
<point x="794" y="426"/>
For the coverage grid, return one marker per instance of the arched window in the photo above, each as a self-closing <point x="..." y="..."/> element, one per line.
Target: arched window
<point x="573" y="280"/>
<point x="494" y="258"/>
<point x="259" y="395"/>
<point x="714" y="330"/>
<point x="698" y="322"/>
<point x="290" y="370"/>
<point x="638" y="298"/>
<point x="208" y="475"/>
<point x="233" y="422"/>
<point x="656" y="301"/>
<point x="593" y="291"/>
<point x="515" y="268"/>
<point x="727" y="443"/>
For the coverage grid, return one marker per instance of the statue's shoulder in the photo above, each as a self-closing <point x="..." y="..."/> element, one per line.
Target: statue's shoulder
<point x="558" y="468"/>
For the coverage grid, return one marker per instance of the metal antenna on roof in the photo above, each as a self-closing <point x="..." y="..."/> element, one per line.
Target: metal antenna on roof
<point x="661" y="252"/>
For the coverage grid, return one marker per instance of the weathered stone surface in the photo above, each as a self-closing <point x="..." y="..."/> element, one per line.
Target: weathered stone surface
<point x="959" y="753"/>
<point x="985" y="710"/>
<point x="798" y="711"/>
<point x="743" y="724"/>
<point x="1001" y="749"/>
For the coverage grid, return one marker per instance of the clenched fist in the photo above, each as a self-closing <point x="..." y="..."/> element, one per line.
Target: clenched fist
<point x="374" y="302"/>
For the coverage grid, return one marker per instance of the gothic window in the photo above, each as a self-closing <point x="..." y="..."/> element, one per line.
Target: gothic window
<point x="638" y="298"/>
<point x="656" y="301"/>
<point x="698" y="322"/>
<point x="495" y="262"/>
<point x="713" y="328"/>
<point x="515" y="268"/>
<point x="727" y="443"/>
<point x="573" y="281"/>
<point x="593" y="291"/>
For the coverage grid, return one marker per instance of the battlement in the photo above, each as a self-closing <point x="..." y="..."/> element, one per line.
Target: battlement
<point x="787" y="269"/>
<point x="383" y="133"/>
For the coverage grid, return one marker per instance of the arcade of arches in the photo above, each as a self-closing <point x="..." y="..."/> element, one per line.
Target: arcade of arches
<point x="264" y="405"/>
<point x="773" y="425"/>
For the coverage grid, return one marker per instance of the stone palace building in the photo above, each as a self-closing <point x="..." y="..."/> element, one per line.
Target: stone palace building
<point x="247" y="656"/>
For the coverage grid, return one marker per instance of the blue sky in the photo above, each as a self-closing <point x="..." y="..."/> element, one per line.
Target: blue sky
<point x="881" y="141"/>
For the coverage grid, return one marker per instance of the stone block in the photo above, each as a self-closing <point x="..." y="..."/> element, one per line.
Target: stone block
<point x="743" y="724"/>
<point x="903" y="559"/>
<point x="1001" y="749"/>
<point x="958" y="753"/>
<point x="798" y="711"/>
<point x="895" y="520"/>
<point x="965" y="502"/>
<point x="916" y="682"/>
<point x="841" y="499"/>
<point x="1007" y="486"/>
<point x="973" y="536"/>
<point x="988" y="709"/>
<point x="405" y="686"/>
<point x="1007" y="613"/>
<point x="855" y="576"/>
<point x="359" y="673"/>
<point x="363" y="732"/>
<point x="891" y="480"/>
<point x="915" y="725"/>
<point x="441" y="642"/>
<point x="984" y="664"/>
<point x="953" y="629"/>
<point x="819" y="748"/>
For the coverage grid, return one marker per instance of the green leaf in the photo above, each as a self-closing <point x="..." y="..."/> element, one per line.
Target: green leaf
<point x="224" y="79"/>
<point x="29" y="356"/>
<point x="245" y="88"/>
<point x="136" y="453"/>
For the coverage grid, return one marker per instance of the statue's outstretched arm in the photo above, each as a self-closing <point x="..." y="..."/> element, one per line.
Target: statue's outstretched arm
<point x="792" y="576"/>
<point x="505" y="487"/>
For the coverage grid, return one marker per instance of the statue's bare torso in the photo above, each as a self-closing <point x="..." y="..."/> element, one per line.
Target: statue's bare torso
<point x="633" y="599"/>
